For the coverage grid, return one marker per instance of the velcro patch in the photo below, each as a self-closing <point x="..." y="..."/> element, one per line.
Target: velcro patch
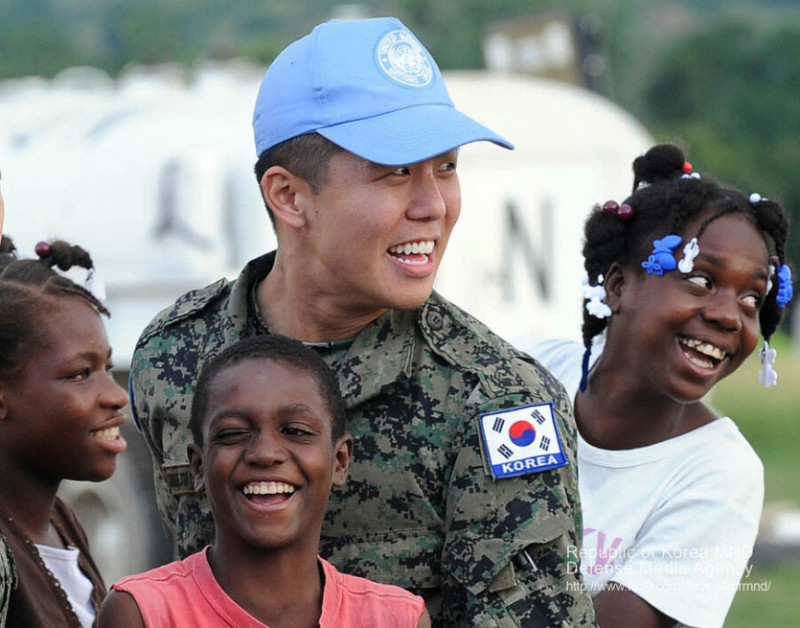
<point x="522" y="440"/>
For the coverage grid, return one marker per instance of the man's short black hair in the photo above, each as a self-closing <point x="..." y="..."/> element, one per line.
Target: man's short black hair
<point x="306" y="156"/>
<point x="270" y="347"/>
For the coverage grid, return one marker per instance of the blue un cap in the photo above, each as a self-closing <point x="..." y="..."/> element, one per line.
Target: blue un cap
<point x="367" y="85"/>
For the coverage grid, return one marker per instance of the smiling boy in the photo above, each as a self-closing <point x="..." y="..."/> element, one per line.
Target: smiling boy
<point x="269" y="435"/>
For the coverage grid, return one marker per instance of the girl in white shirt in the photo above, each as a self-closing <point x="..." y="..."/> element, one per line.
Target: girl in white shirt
<point x="684" y="276"/>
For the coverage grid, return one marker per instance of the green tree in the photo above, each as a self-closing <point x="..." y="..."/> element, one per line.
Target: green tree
<point x="730" y="91"/>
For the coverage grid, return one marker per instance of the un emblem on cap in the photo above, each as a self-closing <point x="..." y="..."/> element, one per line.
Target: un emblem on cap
<point x="403" y="59"/>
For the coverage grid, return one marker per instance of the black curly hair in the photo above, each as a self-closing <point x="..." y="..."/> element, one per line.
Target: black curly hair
<point x="663" y="202"/>
<point x="27" y="287"/>
<point x="269" y="347"/>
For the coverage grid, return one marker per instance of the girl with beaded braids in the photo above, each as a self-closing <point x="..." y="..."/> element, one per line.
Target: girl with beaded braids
<point x="60" y="415"/>
<point x="683" y="276"/>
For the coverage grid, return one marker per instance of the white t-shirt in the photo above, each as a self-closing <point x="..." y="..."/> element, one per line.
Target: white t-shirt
<point x="63" y="563"/>
<point x="674" y="522"/>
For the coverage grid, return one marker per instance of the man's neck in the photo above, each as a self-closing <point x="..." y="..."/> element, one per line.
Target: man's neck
<point x="293" y="307"/>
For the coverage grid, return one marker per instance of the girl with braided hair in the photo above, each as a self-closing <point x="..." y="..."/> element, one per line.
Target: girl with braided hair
<point x="683" y="276"/>
<point x="60" y="416"/>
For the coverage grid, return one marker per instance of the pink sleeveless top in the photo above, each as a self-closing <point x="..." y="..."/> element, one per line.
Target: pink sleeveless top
<point x="185" y="593"/>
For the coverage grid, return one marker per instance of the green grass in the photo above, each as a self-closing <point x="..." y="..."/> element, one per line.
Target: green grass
<point x="777" y="606"/>
<point x="770" y="420"/>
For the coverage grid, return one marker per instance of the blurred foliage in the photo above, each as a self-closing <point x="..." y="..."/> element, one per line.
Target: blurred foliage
<point x="730" y="91"/>
<point x="44" y="36"/>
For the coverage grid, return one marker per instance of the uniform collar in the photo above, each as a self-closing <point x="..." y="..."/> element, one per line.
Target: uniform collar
<point x="239" y="301"/>
<point x="380" y="356"/>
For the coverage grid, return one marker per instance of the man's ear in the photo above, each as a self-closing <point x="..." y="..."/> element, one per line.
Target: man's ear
<point x="196" y="465"/>
<point x="285" y="194"/>
<point x="343" y="453"/>
<point x="615" y="282"/>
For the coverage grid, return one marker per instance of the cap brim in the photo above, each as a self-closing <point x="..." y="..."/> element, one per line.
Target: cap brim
<point x="410" y="135"/>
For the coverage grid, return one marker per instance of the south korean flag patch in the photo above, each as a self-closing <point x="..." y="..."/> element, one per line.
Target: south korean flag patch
<point x="522" y="440"/>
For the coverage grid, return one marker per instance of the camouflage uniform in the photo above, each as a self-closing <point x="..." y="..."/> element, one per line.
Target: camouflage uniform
<point x="420" y="508"/>
<point x="8" y="578"/>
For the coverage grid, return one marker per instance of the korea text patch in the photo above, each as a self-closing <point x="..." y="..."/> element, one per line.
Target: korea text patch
<point x="522" y="440"/>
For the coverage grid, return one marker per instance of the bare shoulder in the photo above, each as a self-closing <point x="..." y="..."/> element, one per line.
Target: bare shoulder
<point x="119" y="610"/>
<point x="424" y="621"/>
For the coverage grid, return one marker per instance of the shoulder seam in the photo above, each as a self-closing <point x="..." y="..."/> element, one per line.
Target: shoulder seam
<point x="184" y="307"/>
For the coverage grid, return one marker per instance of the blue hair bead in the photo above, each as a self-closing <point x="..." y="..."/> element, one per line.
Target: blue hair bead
<point x="663" y="257"/>
<point x="785" y="289"/>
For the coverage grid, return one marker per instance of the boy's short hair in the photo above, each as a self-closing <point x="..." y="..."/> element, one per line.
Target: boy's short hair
<point x="270" y="347"/>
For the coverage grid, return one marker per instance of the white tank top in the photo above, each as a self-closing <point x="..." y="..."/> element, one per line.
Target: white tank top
<point x="64" y="565"/>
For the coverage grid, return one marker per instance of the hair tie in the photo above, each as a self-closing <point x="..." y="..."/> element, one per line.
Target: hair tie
<point x="95" y="285"/>
<point x="770" y="275"/>
<point x="623" y="212"/>
<point x="662" y="258"/>
<point x="785" y="289"/>
<point x="690" y="251"/>
<point x="756" y="198"/>
<point x="595" y="295"/>
<point x="585" y="369"/>
<point x="687" y="171"/>
<point x="768" y="376"/>
<point x="43" y="249"/>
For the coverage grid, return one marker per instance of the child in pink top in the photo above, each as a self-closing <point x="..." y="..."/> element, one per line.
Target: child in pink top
<point x="269" y="444"/>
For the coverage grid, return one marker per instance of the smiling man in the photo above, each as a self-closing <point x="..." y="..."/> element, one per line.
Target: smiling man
<point x="463" y="485"/>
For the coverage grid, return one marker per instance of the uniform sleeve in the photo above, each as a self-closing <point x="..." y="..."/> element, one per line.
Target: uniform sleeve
<point x="511" y="546"/>
<point x="164" y="369"/>
<point x="694" y="549"/>
<point x="142" y="391"/>
<point x="8" y="579"/>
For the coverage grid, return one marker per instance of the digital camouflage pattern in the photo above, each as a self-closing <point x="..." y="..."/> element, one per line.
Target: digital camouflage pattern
<point x="8" y="578"/>
<point x="420" y="508"/>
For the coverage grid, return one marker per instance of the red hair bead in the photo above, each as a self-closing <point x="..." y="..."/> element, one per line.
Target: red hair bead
<point x="610" y="207"/>
<point x="687" y="167"/>
<point x="625" y="212"/>
<point x="42" y="249"/>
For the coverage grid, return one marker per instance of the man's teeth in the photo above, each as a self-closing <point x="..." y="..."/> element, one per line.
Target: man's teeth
<point x="268" y="488"/>
<point x="111" y="433"/>
<point x="424" y="247"/>
<point x="703" y="347"/>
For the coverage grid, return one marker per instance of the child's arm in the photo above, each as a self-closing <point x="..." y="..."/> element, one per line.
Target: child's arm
<point x="623" y="607"/>
<point x="119" y="610"/>
<point x="424" y="621"/>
